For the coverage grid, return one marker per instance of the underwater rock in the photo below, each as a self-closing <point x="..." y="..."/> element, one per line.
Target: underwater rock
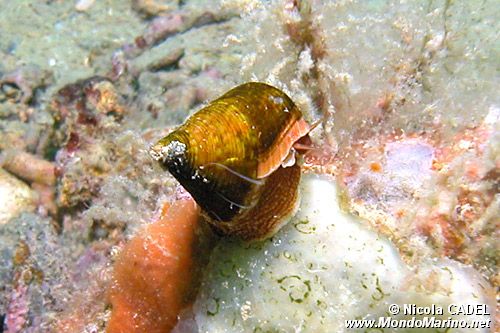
<point x="27" y="79"/>
<point x="432" y="197"/>
<point x="48" y="41"/>
<point x="88" y="113"/>
<point x="24" y="127"/>
<point x="15" y="197"/>
<point x="155" y="62"/>
<point x="370" y="67"/>
<point x="39" y="172"/>
<point x="34" y="268"/>
<point x="323" y="268"/>
<point x="84" y="5"/>
<point x="86" y="102"/>
<point x="152" y="7"/>
<point x="18" y="309"/>
<point x="29" y="167"/>
<point x="46" y="199"/>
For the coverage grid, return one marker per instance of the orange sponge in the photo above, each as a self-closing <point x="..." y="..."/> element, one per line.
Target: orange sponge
<point x="153" y="274"/>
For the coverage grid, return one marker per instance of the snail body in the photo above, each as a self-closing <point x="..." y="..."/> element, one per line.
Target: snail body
<point x="229" y="157"/>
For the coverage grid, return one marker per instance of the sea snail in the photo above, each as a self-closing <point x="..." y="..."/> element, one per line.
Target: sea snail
<point x="236" y="158"/>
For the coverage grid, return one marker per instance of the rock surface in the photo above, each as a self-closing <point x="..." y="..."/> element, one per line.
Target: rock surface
<point x="326" y="266"/>
<point x="406" y="98"/>
<point x="16" y="197"/>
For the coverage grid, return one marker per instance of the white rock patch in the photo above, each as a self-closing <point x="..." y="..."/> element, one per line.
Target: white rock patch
<point x="323" y="268"/>
<point x="15" y="197"/>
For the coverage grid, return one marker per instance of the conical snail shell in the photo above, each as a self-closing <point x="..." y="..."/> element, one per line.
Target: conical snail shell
<point x="229" y="154"/>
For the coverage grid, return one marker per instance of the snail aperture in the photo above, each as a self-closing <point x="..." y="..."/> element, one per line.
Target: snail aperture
<point x="229" y="157"/>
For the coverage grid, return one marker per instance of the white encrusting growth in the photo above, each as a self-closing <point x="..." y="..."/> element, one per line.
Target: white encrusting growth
<point x="324" y="267"/>
<point x="15" y="197"/>
<point x="173" y="149"/>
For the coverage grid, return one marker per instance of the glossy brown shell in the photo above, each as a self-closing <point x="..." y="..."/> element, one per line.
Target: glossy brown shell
<point x="227" y="152"/>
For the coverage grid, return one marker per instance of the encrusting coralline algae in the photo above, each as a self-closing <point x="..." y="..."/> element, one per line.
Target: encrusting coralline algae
<point x="407" y="99"/>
